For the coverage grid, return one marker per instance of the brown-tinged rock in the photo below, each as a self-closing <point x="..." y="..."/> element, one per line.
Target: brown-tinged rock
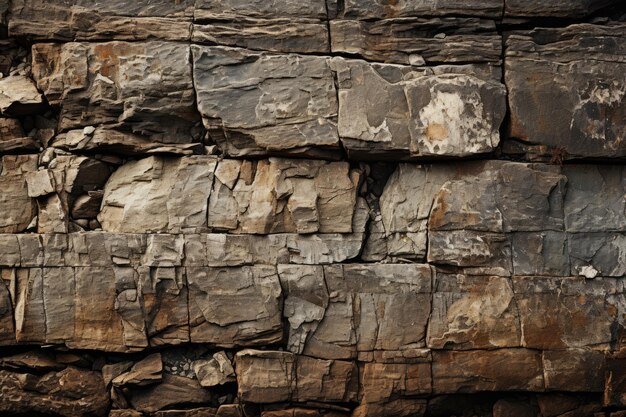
<point x="125" y="86"/>
<point x="158" y="194"/>
<point x="573" y="312"/>
<point x="497" y="370"/>
<point x="551" y="69"/>
<point x="171" y="391"/>
<point x="283" y="196"/>
<point x="70" y="392"/>
<point x="235" y="306"/>
<point x="473" y="312"/>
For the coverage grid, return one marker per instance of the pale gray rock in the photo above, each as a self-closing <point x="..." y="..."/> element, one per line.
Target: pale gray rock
<point x="405" y="205"/>
<point x="478" y="252"/>
<point x="597" y="254"/>
<point x="19" y="96"/>
<point x="128" y="86"/>
<point x="231" y="307"/>
<point x="283" y="196"/>
<point x="418" y="41"/>
<point x="595" y="199"/>
<point x="216" y="371"/>
<point x="552" y="68"/>
<point x="256" y="103"/>
<point x="158" y="194"/>
<point x="391" y="110"/>
<point x="540" y="253"/>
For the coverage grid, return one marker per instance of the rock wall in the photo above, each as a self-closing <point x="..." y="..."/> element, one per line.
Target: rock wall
<point x="328" y="208"/>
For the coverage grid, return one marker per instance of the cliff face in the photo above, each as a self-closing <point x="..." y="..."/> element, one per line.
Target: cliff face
<point x="352" y="208"/>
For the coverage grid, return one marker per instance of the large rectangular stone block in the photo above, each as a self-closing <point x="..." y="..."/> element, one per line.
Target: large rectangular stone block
<point x="562" y="99"/>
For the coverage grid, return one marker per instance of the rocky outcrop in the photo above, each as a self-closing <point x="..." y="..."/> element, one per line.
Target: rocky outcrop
<point x="357" y="208"/>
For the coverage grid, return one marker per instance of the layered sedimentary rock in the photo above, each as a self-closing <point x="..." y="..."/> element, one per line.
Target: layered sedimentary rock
<point x="243" y="208"/>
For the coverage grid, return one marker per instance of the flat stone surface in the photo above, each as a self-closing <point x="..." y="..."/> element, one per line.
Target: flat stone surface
<point x="367" y="309"/>
<point x="158" y="195"/>
<point x="395" y="111"/>
<point x="235" y="306"/>
<point x="254" y="103"/>
<point x="570" y="115"/>
<point x="498" y="370"/>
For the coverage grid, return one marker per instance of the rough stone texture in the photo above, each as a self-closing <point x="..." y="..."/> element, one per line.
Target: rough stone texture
<point x="551" y="69"/>
<point x="395" y="110"/>
<point x="250" y="104"/>
<point x="158" y="195"/>
<point x="418" y="41"/>
<point x="120" y="85"/>
<point x="332" y="208"/>
<point x="214" y="294"/>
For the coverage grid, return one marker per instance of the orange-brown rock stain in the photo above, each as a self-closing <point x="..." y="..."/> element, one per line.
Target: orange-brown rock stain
<point x="436" y="132"/>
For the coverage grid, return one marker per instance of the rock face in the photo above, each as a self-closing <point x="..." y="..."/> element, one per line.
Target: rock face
<point x="550" y="66"/>
<point x="354" y="208"/>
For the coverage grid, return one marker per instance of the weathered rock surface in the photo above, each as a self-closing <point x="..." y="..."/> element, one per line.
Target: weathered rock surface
<point x="19" y="96"/>
<point x="390" y="110"/>
<point x="368" y="9"/>
<point x="235" y="306"/>
<point x="266" y="377"/>
<point x="285" y="26"/>
<point x="498" y="370"/>
<point x="418" y="41"/>
<point x="568" y="8"/>
<point x="253" y="103"/>
<point x="158" y="195"/>
<point x="365" y="312"/>
<point x="127" y="86"/>
<point x="69" y="20"/>
<point x="70" y="392"/>
<point x="283" y="196"/>
<point x="577" y="103"/>
<point x="182" y="182"/>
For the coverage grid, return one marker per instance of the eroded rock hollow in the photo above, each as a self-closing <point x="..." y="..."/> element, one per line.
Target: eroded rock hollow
<point x="322" y="208"/>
